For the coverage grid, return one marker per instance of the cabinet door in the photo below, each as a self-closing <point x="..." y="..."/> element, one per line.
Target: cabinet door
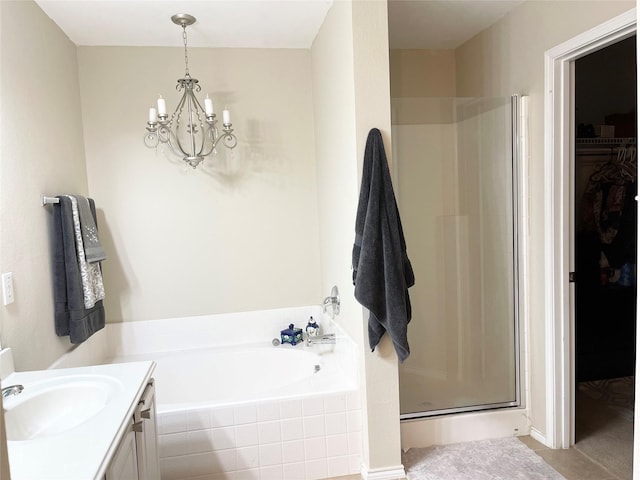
<point x="147" y="440"/>
<point x="124" y="465"/>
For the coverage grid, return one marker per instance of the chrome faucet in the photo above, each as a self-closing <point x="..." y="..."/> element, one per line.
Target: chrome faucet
<point x="332" y="303"/>
<point x="11" y="390"/>
<point x="327" y="338"/>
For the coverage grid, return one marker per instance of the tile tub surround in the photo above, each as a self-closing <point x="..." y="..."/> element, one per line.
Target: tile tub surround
<point x="305" y="438"/>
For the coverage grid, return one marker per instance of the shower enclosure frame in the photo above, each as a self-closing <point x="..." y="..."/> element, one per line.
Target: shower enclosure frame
<point x="518" y="121"/>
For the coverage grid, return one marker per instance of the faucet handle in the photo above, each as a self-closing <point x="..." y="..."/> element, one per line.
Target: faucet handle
<point x="12" y="390"/>
<point x="333" y="302"/>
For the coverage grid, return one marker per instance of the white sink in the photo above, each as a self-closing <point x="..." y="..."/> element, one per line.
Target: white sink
<point x="49" y="407"/>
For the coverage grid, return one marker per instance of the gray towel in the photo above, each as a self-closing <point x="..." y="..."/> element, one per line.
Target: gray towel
<point x="90" y="273"/>
<point x="93" y="250"/>
<point x="382" y="272"/>
<point x="71" y="317"/>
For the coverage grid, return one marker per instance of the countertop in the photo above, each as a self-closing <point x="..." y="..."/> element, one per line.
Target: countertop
<point x="82" y="452"/>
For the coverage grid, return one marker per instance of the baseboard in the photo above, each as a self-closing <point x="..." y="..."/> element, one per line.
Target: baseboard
<point x="536" y="435"/>
<point x="393" y="473"/>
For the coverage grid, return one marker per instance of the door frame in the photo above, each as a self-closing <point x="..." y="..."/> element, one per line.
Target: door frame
<point x="558" y="214"/>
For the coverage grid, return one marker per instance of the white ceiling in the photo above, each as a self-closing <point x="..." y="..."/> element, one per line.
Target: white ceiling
<point x="220" y="23"/>
<point x="438" y="24"/>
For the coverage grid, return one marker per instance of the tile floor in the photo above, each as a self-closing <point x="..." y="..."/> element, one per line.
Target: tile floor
<point x="570" y="463"/>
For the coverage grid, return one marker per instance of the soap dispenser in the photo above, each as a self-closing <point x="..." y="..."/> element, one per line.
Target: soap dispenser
<point x="313" y="329"/>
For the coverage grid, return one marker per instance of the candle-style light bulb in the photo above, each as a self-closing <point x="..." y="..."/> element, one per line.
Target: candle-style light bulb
<point x="226" y="117"/>
<point x="162" y="106"/>
<point x="208" y="106"/>
<point x="152" y="115"/>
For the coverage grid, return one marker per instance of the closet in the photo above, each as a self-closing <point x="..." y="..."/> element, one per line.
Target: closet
<point x="605" y="252"/>
<point x="605" y="257"/>
<point x="606" y="212"/>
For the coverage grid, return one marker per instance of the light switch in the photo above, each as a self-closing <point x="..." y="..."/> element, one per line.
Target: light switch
<point x="7" y="288"/>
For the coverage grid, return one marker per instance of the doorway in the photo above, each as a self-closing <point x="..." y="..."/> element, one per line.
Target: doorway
<point x="559" y="214"/>
<point x="605" y="251"/>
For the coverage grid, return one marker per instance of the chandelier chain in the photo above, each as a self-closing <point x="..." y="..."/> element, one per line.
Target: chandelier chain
<point x="186" y="57"/>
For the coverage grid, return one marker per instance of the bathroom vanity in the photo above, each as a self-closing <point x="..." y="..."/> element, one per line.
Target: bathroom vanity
<point x="95" y="422"/>
<point x="136" y="457"/>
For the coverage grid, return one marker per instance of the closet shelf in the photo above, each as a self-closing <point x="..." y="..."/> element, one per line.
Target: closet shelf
<point x="606" y="141"/>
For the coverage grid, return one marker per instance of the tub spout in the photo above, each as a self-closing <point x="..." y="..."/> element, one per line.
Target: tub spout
<point x="11" y="390"/>
<point x="327" y="338"/>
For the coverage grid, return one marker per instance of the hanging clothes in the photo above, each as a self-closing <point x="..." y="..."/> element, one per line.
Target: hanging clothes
<point x="609" y="210"/>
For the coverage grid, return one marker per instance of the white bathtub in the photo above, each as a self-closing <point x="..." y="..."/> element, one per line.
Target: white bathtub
<point x="233" y="375"/>
<point x="249" y="410"/>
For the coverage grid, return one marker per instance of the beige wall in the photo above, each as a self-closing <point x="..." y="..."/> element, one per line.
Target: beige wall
<point x="373" y="109"/>
<point x="239" y="233"/>
<point x="41" y="152"/>
<point x="422" y="73"/>
<point x="509" y="58"/>
<point x="351" y="67"/>
<point x="338" y="187"/>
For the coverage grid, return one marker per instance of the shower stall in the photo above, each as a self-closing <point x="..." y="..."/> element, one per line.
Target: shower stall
<point x="454" y="166"/>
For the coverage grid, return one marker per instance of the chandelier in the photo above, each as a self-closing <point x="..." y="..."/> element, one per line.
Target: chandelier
<point x="191" y="132"/>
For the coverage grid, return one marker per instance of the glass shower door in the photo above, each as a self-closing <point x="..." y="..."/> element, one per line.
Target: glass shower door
<point x="454" y="174"/>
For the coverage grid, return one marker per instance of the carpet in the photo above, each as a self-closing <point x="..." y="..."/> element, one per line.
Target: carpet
<point x="498" y="459"/>
<point x="604" y="423"/>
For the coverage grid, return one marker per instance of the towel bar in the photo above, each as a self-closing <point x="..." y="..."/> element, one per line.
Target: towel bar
<point x="49" y="200"/>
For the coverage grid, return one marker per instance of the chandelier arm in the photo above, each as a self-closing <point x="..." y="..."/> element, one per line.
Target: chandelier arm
<point x="176" y="113"/>
<point x="175" y="120"/>
<point x="164" y="133"/>
<point x="178" y="148"/>
<point x="171" y="141"/>
<point x="168" y="137"/>
<point x="230" y="140"/>
<point x="151" y="139"/>
<point x="212" y="135"/>
<point x="192" y="118"/>
<point x="196" y="112"/>
<point x="205" y="125"/>
<point x="199" y="107"/>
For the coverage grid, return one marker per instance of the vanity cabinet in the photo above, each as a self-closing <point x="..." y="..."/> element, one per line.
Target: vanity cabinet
<point x="145" y="427"/>
<point x="124" y="465"/>
<point x="137" y="455"/>
<point x="104" y="444"/>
